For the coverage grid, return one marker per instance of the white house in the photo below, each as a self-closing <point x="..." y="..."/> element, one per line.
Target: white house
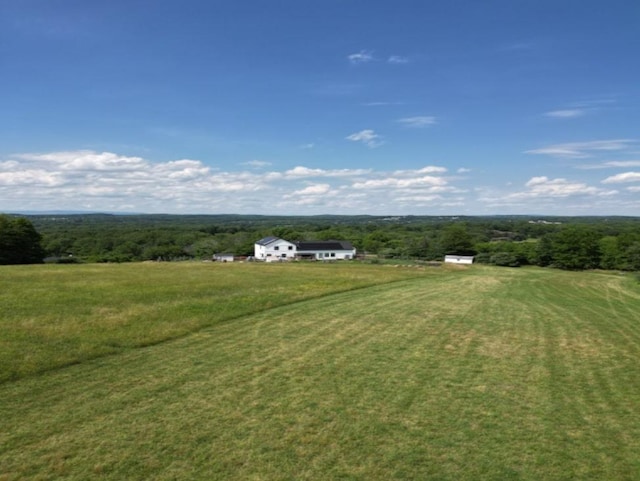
<point x="454" y="259"/>
<point x="325" y="250"/>
<point x="273" y="249"/>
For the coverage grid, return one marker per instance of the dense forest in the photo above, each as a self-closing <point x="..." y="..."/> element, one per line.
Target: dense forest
<point x="563" y="242"/>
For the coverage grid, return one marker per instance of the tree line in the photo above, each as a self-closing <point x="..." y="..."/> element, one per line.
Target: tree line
<point x="562" y="242"/>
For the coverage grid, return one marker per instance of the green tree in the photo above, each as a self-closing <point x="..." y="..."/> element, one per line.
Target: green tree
<point x="632" y="257"/>
<point x="576" y="247"/>
<point x="610" y="255"/>
<point x="544" y="251"/>
<point x="20" y="243"/>
<point x="455" y="239"/>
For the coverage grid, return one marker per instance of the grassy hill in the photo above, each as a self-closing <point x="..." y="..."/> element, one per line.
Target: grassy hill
<point x="477" y="373"/>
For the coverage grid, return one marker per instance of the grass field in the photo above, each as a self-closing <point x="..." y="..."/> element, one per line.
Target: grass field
<point x="56" y="315"/>
<point x="461" y="374"/>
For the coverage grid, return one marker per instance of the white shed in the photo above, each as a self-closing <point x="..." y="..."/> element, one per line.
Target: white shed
<point x="454" y="259"/>
<point x="223" y="257"/>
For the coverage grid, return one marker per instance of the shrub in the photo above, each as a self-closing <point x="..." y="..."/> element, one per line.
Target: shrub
<point x="505" y="259"/>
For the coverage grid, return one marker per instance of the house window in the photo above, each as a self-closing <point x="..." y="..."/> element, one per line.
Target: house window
<point x="333" y="254"/>
<point x="276" y="248"/>
<point x="290" y="248"/>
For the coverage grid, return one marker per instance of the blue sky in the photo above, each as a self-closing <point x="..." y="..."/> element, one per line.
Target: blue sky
<point x="321" y="107"/>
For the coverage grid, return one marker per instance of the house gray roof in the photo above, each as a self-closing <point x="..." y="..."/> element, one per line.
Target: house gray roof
<point x="330" y="245"/>
<point x="265" y="241"/>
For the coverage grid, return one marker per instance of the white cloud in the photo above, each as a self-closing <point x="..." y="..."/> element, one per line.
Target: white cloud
<point x="87" y="180"/>
<point x="463" y="170"/>
<point x="300" y="172"/>
<point x="429" y="169"/>
<point x="611" y="164"/>
<point x="556" y="188"/>
<point x="420" y="121"/>
<point x="566" y="114"/>
<point x="31" y="177"/>
<point x="397" y="60"/>
<point x="9" y="165"/>
<point x="87" y="160"/>
<point x="367" y="137"/>
<point x="258" y="163"/>
<point x="578" y="150"/>
<point x="623" y="163"/>
<point x="621" y="178"/>
<point x="363" y="56"/>
<point x="314" y="189"/>
<point x="395" y="182"/>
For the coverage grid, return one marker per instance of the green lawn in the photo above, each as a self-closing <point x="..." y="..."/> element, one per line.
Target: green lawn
<point x="56" y="315"/>
<point x="452" y="374"/>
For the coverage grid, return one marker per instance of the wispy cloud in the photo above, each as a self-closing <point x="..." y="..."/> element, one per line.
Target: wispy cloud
<point x="580" y="108"/>
<point x="427" y="180"/>
<point x="257" y="163"/>
<point x="367" y="137"/>
<point x="543" y="187"/>
<point x="612" y="164"/>
<point x="566" y="114"/>
<point x="420" y="121"/>
<point x="577" y="150"/>
<point x="363" y="56"/>
<point x="622" y="178"/>
<point x="429" y="169"/>
<point x="300" y="172"/>
<point x="397" y="60"/>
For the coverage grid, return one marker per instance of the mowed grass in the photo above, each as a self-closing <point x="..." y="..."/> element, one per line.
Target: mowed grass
<point x="477" y="373"/>
<point x="55" y="315"/>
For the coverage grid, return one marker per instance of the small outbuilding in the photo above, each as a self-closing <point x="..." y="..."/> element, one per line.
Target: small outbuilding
<point x="455" y="259"/>
<point x="223" y="257"/>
